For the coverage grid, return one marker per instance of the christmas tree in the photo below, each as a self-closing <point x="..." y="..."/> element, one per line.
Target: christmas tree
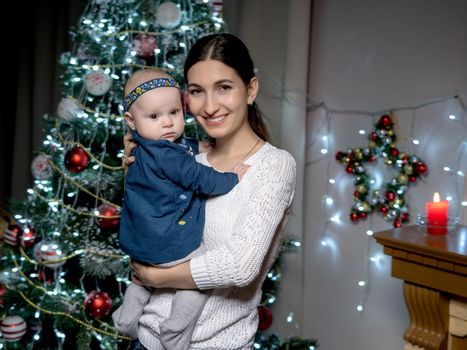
<point x="61" y="271"/>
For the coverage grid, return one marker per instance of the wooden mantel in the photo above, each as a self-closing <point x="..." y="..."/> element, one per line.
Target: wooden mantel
<point x="434" y="271"/>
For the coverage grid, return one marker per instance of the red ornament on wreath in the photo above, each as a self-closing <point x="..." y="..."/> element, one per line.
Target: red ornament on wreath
<point x="265" y="317"/>
<point x="76" y="159"/>
<point x="12" y="235"/>
<point x="97" y="304"/>
<point x="109" y="217"/>
<point x="145" y="45"/>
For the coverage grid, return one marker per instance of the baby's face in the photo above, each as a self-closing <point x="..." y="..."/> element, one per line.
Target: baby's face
<point x="158" y="114"/>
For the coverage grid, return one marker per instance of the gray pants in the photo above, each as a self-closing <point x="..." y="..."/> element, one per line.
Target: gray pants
<point x="175" y="331"/>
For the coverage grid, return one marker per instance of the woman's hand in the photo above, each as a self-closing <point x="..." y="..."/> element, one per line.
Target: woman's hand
<point x="178" y="276"/>
<point x="128" y="147"/>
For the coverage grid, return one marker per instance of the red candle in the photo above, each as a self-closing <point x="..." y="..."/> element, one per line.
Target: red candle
<point x="437" y="216"/>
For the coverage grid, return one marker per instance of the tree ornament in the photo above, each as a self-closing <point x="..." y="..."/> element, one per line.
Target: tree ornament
<point x="51" y="255"/>
<point x="168" y="15"/>
<point x="28" y="237"/>
<point x="97" y="304"/>
<point x="37" y="252"/>
<point x="265" y="317"/>
<point x="217" y="7"/>
<point x="76" y="159"/>
<point x="13" y="328"/>
<point x="145" y="45"/>
<point x="12" y="235"/>
<point x="381" y="145"/>
<point x="40" y="167"/>
<point x="67" y="109"/>
<point x="97" y="82"/>
<point x="112" y="217"/>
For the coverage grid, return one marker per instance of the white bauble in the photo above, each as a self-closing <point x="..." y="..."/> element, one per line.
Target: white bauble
<point x="13" y="328"/>
<point x="67" y="109"/>
<point x="51" y="255"/>
<point x="41" y="168"/>
<point x="97" y="82"/>
<point x="168" y="15"/>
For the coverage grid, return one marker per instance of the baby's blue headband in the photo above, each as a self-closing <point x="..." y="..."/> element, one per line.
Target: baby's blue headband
<point x="147" y="86"/>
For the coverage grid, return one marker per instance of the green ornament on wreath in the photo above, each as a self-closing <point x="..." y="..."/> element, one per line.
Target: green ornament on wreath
<point x="390" y="200"/>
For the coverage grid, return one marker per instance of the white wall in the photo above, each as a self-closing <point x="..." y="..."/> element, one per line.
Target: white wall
<point x="367" y="57"/>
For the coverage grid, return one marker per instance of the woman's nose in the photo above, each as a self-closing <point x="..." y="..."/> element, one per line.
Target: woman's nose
<point x="211" y="105"/>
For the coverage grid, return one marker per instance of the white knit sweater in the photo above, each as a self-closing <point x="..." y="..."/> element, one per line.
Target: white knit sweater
<point x="242" y="233"/>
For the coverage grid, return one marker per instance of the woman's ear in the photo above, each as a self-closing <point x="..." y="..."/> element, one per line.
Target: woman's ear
<point x="130" y="120"/>
<point x="253" y="88"/>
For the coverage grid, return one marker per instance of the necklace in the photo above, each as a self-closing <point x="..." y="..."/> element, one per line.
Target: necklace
<point x="246" y="155"/>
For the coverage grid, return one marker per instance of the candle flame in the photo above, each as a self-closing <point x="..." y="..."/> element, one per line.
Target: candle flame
<point x="436" y="197"/>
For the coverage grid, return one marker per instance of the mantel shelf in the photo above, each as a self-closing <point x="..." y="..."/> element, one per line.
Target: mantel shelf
<point x="434" y="270"/>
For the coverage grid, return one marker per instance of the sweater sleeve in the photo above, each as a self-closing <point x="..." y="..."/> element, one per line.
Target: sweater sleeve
<point x="185" y="171"/>
<point x="239" y="261"/>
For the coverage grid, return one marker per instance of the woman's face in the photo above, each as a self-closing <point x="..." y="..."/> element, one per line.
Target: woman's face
<point x="218" y="98"/>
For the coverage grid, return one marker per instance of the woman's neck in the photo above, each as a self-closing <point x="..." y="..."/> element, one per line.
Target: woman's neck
<point x="234" y="150"/>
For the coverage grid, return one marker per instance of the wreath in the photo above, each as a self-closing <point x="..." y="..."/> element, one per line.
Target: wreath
<point x="390" y="200"/>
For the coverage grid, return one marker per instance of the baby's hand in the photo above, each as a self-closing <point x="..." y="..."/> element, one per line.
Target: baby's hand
<point x="240" y="170"/>
<point x="205" y="146"/>
<point x="128" y="145"/>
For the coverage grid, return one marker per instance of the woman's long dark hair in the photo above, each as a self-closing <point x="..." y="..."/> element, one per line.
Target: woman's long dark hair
<point x="231" y="51"/>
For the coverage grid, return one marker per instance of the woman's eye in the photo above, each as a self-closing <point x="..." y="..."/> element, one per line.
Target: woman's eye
<point x="224" y="87"/>
<point x="194" y="91"/>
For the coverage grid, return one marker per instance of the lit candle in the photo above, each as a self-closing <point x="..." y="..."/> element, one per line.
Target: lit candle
<point x="437" y="216"/>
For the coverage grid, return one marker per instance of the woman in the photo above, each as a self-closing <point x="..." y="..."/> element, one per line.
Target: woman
<point x="243" y="228"/>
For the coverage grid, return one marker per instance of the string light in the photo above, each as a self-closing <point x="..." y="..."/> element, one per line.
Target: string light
<point x="373" y="259"/>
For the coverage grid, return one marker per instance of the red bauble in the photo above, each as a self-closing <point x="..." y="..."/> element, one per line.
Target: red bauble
<point x="265" y="318"/>
<point x="349" y="169"/>
<point x="97" y="304"/>
<point x="396" y="223"/>
<point x="421" y="168"/>
<point x="385" y="120"/>
<point x="76" y="159"/>
<point x="339" y="155"/>
<point x="363" y="215"/>
<point x="383" y="209"/>
<point x="390" y="196"/>
<point x="412" y="178"/>
<point x="404" y="217"/>
<point x="112" y="215"/>
<point x="354" y="217"/>
<point x="373" y="136"/>
<point x="12" y="235"/>
<point x="28" y="237"/>
<point x="394" y="152"/>
<point x="145" y="45"/>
